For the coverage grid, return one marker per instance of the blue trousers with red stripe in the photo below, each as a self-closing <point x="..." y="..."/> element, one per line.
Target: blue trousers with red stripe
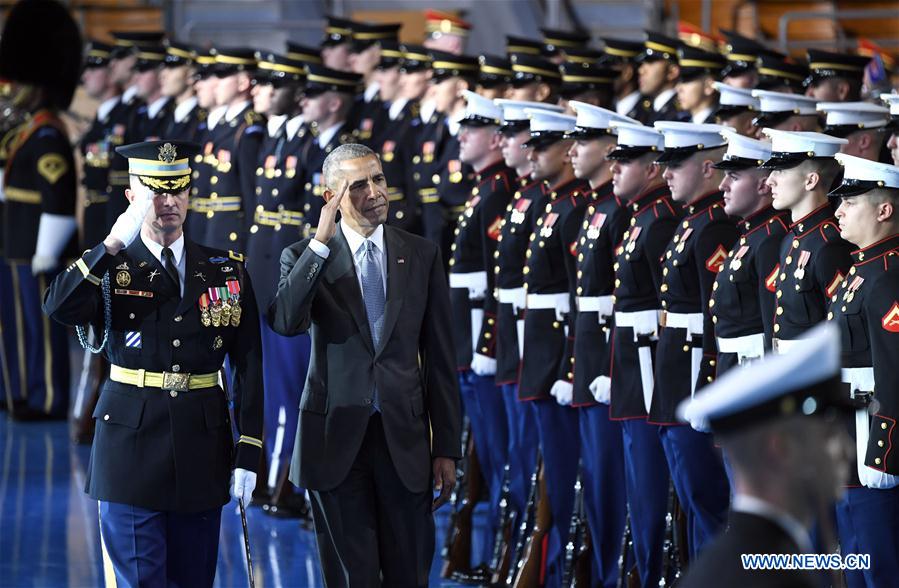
<point x="523" y="446"/>
<point x="602" y="473"/>
<point x="868" y="523"/>
<point x="35" y="358"/>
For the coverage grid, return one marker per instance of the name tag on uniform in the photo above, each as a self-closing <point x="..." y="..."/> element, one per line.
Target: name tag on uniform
<point x="139" y="293"/>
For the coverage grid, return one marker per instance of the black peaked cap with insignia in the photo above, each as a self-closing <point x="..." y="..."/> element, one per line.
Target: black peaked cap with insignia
<point x="161" y="166"/>
<point x="321" y="79"/>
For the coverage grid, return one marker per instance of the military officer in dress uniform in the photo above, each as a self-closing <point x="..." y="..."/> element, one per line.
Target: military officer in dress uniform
<point x="780" y="424"/>
<point x="584" y="81"/>
<point x="451" y="179"/>
<point x="170" y="310"/>
<point x="473" y="298"/>
<point x="536" y="79"/>
<point x="861" y="123"/>
<point x="686" y="356"/>
<point x="549" y="323"/>
<point x="621" y="56"/>
<point x="779" y="75"/>
<point x="39" y="189"/>
<point x="866" y="309"/>
<point x="278" y="221"/>
<point x="785" y="112"/>
<point x="813" y="258"/>
<point x="232" y="149"/>
<point x="446" y="32"/>
<point x="737" y="108"/>
<point x="395" y="136"/>
<point x="835" y="77"/>
<point x="603" y="226"/>
<point x="365" y="55"/>
<point x="657" y="76"/>
<point x="204" y="162"/>
<point x="742" y="55"/>
<point x="526" y="206"/>
<point x="336" y="44"/>
<point x="151" y="118"/>
<point x="637" y="181"/>
<point x="177" y="79"/>
<point x="328" y="99"/>
<point x="696" y="92"/>
<point x="892" y="100"/>
<point x="494" y="76"/>
<point x="560" y="46"/>
<point x="742" y="302"/>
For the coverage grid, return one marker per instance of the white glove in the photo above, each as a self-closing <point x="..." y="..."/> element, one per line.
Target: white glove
<point x="483" y="365"/>
<point x="600" y="388"/>
<point x="701" y="425"/>
<point x="477" y="293"/>
<point x="127" y="226"/>
<point x="243" y="482"/>
<point x="41" y="264"/>
<point x="563" y="392"/>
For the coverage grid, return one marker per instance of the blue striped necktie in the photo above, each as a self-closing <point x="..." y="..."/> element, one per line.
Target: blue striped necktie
<point x="373" y="297"/>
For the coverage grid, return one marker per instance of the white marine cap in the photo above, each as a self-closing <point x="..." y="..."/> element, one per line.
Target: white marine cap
<point x="892" y="100"/>
<point x="776" y="107"/>
<point x="513" y="111"/>
<point x="790" y="148"/>
<point x="863" y="175"/>
<point x="683" y="139"/>
<point x="594" y="121"/>
<point x="743" y="152"/>
<point x="480" y="111"/>
<point x="733" y="100"/>
<point x="844" y="118"/>
<point x="547" y="127"/>
<point x="635" y="140"/>
<point x="802" y="382"/>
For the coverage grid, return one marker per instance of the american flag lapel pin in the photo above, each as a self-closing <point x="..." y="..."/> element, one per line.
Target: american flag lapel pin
<point x="401" y="260"/>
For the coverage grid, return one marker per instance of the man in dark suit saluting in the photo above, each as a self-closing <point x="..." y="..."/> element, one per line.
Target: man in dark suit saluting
<point x="380" y="415"/>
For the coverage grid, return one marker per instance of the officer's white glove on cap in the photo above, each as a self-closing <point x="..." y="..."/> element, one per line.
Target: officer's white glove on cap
<point x="127" y="226"/>
<point x="243" y="484"/>
<point x="483" y="365"/>
<point x="563" y="392"/>
<point x="600" y="388"/>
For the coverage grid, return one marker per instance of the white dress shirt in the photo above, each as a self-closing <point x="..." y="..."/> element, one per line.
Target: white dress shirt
<point x="106" y="107"/>
<point x="215" y="115"/>
<point x="293" y="126"/>
<point x="183" y="109"/>
<point x="177" y="250"/>
<point x="325" y="136"/>
<point x="396" y="107"/>
<point x="356" y="243"/>
<point x="662" y="99"/>
<point x="626" y="104"/>
<point x="235" y="109"/>
<point x="157" y="105"/>
<point x="274" y="124"/>
<point x="703" y="116"/>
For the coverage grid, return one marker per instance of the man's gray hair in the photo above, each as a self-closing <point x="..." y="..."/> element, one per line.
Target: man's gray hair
<point x="339" y="155"/>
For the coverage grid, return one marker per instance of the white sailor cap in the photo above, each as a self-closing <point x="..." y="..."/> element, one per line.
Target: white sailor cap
<point x="733" y="101"/>
<point x="803" y="382"/>
<point x="844" y="118"/>
<point x="863" y="175"/>
<point x="547" y="127"/>
<point x="790" y="148"/>
<point x="891" y="100"/>
<point x="683" y="139"/>
<point x="635" y="140"/>
<point x="776" y="107"/>
<point x="480" y="111"/>
<point x="514" y="117"/>
<point x="743" y="152"/>
<point x="595" y="121"/>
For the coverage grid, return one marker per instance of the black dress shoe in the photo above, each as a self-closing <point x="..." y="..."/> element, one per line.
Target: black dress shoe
<point x="479" y="576"/>
<point x="295" y="508"/>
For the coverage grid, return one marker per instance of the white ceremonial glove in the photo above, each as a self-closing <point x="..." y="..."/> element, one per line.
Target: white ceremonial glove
<point x="127" y="227"/>
<point x="563" y="392"/>
<point x="701" y="425"/>
<point x="601" y="389"/>
<point x="53" y="234"/>
<point x="483" y="365"/>
<point x="243" y="484"/>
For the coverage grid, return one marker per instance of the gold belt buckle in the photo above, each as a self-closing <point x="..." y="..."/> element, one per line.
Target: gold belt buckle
<point x="177" y="382"/>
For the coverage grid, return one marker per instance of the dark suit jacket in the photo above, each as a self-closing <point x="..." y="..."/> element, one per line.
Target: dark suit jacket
<point x="719" y="564"/>
<point x="413" y="366"/>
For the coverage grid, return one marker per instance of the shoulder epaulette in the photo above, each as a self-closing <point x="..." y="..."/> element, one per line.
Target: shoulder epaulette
<point x="235" y="256"/>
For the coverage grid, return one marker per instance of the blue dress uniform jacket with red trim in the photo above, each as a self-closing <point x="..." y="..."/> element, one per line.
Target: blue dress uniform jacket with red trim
<point x="522" y="212"/>
<point x="97" y="148"/>
<point x="40" y="178"/>
<point x="604" y="224"/>
<point x="695" y="255"/>
<point x="638" y="277"/>
<point x="153" y="448"/>
<point x="551" y="269"/>
<point x="472" y="250"/>
<point x="814" y="259"/>
<point x="743" y="294"/>
<point x="866" y="308"/>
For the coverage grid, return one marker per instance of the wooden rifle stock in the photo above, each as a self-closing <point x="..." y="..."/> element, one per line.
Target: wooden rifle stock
<point x="528" y="573"/>
<point x="524" y="527"/>
<point x="502" y="550"/>
<point x="456" y="551"/>
<point x="675" y="528"/>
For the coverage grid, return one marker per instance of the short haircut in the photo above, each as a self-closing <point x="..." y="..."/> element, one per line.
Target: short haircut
<point x="826" y="167"/>
<point x="884" y="195"/>
<point x="339" y="155"/>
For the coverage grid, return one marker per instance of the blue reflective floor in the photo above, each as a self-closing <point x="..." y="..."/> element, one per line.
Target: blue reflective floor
<point x="49" y="534"/>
